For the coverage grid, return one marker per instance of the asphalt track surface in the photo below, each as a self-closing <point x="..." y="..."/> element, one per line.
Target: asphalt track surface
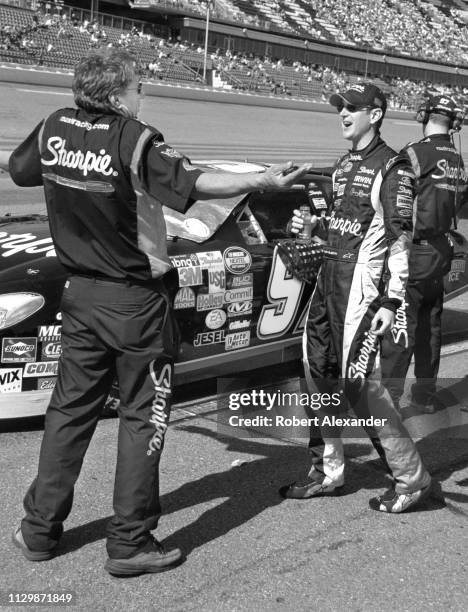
<point x="247" y="548"/>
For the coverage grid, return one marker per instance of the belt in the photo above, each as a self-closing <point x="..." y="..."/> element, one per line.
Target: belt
<point x="421" y="242"/>
<point x="120" y="281"/>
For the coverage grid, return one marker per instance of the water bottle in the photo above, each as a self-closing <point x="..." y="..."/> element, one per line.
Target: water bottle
<point x="305" y="234"/>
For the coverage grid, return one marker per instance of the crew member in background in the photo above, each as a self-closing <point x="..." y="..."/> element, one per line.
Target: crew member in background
<point x="440" y="189"/>
<point x="106" y="176"/>
<point x="352" y="307"/>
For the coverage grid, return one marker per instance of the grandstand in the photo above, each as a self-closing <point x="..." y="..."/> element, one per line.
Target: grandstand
<point x="300" y="48"/>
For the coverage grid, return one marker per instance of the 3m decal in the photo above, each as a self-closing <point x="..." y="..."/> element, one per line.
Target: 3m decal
<point x="51" y="351"/>
<point x="40" y="368"/>
<point x="245" y="280"/>
<point x="209" y="301"/>
<point x="49" y="333"/>
<point x="237" y="260"/>
<point x="239" y="308"/>
<point x="19" y="350"/>
<point x="190" y="276"/>
<point x="237" y="340"/>
<point x="211" y="337"/>
<point x="238" y="295"/>
<point x="185" y="298"/>
<point x="10" y="380"/>
<point x="215" y="319"/>
<point x="284" y="293"/>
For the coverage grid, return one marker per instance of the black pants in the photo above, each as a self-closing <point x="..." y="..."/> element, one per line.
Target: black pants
<point x="108" y="329"/>
<point x="417" y="331"/>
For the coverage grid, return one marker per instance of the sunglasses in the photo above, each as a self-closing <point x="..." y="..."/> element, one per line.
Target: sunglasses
<point x="351" y="108"/>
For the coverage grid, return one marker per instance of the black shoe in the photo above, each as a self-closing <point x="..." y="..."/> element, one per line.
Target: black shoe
<point x="395" y="503"/>
<point x="31" y="555"/>
<point x="151" y="560"/>
<point x="308" y="489"/>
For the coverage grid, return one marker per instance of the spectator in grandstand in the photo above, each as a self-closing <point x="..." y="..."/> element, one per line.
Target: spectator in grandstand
<point x="441" y="187"/>
<point x="368" y="233"/>
<point x="106" y="176"/>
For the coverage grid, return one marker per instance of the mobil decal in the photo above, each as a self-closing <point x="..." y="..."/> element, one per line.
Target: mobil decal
<point x="237" y="260"/>
<point x="10" y="380"/>
<point x="40" y="368"/>
<point x="237" y="340"/>
<point x="184" y="298"/>
<point x="19" y="350"/>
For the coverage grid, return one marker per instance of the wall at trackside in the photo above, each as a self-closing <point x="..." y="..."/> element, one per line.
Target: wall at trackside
<point x="19" y="74"/>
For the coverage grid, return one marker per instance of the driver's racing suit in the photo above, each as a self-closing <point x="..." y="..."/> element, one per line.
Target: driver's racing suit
<point x="365" y="267"/>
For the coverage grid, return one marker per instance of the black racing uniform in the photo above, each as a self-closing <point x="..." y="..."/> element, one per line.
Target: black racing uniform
<point x="105" y="180"/>
<point x="440" y="188"/>
<point x="365" y="267"/>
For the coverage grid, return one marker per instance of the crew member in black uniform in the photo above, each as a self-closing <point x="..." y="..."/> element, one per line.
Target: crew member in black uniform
<point x="440" y="189"/>
<point x="105" y="176"/>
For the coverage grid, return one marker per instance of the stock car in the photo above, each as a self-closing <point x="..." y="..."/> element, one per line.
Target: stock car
<point x="236" y="306"/>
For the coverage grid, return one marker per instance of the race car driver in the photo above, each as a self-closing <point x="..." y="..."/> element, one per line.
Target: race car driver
<point x="441" y="188"/>
<point x="105" y="176"/>
<point x="369" y="232"/>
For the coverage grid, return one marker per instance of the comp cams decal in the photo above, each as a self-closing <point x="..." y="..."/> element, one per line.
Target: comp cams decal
<point x="237" y="260"/>
<point x="19" y="350"/>
<point x="10" y="380"/>
<point x="40" y="368"/>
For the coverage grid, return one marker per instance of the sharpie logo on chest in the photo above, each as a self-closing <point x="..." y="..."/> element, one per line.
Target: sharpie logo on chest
<point x="85" y="161"/>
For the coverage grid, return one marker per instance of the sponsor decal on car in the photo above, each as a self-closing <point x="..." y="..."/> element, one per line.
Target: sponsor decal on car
<point x="237" y="260"/>
<point x="45" y="384"/>
<point x="182" y="261"/>
<point x="216" y="280"/>
<point x="19" y="350"/>
<point x="49" y="333"/>
<point x="14" y="243"/>
<point x="239" y="324"/>
<point x="210" y="258"/>
<point x="237" y="340"/>
<point x="239" y="308"/>
<point x="185" y="298"/>
<point x="10" y="380"/>
<point x="40" y="368"/>
<point x="209" y="301"/>
<point x="215" y="319"/>
<point x="238" y="295"/>
<point x="211" y="337"/>
<point x="245" y="280"/>
<point x="190" y="276"/>
<point x="51" y="351"/>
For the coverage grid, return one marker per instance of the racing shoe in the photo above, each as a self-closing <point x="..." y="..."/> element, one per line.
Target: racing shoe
<point x="395" y="503"/>
<point x="309" y="488"/>
<point x="150" y="560"/>
<point x="31" y="555"/>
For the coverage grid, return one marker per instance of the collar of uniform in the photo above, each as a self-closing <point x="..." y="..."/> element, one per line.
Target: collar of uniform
<point x="371" y="147"/>
<point x="442" y="136"/>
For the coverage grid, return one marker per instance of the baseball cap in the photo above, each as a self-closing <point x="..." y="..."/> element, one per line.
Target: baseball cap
<point x="361" y="94"/>
<point x="442" y="105"/>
